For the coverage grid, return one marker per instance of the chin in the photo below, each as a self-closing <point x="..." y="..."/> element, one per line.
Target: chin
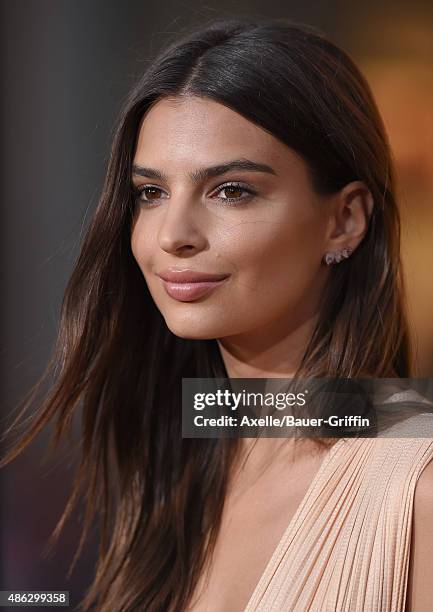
<point x="192" y="333"/>
<point x="191" y="329"/>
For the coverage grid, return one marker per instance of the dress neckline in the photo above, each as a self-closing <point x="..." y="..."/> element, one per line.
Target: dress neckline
<point x="270" y="566"/>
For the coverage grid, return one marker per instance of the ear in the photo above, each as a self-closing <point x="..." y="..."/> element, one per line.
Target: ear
<point x="351" y="209"/>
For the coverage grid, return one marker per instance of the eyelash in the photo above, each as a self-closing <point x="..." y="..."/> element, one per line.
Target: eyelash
<point x="138" y="191"/>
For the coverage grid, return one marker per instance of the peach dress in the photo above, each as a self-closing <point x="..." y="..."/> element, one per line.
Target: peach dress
<point x="347" y="547"/>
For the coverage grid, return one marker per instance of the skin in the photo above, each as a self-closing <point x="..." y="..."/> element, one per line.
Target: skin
<point x="271" y="244"/>
<point x="420" y="584"/>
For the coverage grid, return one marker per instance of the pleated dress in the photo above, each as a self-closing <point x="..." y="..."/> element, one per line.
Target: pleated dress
<point x="347" y="547"/>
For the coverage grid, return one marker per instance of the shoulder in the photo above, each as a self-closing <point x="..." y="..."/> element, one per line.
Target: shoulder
<point x="420" y="583"/>
<point x="423" y="506"/>
<point x="424" y="487"/>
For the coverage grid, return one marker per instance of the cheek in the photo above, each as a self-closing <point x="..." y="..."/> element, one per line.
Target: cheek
<point x="273" y="262"/>
<point x="141" y="245"/>
<point x="276" y="255"/>
<point x="143" y="250"/>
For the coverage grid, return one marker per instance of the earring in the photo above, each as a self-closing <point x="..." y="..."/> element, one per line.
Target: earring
<point x="337" y="256"/>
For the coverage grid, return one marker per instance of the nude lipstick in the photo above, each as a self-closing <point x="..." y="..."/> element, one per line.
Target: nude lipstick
<point x="188" y="285"/>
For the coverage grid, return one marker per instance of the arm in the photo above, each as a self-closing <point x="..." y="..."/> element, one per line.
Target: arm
<point x="420" y="579"/>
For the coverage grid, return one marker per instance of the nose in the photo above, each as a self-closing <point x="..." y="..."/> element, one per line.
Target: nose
<point x="179" y="232"/>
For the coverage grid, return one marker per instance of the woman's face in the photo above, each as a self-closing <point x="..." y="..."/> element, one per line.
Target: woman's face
<point x="221" y="196"/>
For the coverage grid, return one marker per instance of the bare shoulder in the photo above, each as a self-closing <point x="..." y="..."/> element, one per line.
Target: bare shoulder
<point x="424" y="487"/>
<point x="420" y="578"/>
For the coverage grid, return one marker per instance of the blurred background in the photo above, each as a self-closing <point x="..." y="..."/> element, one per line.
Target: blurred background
<point x="66" y="66"/>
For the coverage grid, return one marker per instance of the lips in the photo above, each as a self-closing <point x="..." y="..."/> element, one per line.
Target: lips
<point x="189" y="276"/>
<point x="188" y="285"/>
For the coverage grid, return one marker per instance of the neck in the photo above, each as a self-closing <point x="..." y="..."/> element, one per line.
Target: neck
<point x="273" y="351"/>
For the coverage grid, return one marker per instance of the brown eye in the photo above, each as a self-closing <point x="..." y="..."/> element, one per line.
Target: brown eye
<point x="148" y="193"/>
<point x="233" y="191"/>
<point x="151" y="193"/>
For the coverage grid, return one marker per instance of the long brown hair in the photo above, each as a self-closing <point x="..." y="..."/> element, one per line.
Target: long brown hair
<point x="159" y="497"/>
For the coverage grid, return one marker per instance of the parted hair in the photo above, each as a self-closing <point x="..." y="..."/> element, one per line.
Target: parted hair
<point x="159" y="498"/>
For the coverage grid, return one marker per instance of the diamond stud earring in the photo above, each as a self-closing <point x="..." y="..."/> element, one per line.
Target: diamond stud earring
<point x="337" y="256"/>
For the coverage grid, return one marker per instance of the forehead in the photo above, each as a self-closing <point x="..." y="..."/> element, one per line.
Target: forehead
<point x="201" y="129"/>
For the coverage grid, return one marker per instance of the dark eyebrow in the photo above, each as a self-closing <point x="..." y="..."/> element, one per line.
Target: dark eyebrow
<point x="211" y="171"/>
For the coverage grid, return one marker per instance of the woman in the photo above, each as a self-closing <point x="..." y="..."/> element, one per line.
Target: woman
<point x="248" y="228"/>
